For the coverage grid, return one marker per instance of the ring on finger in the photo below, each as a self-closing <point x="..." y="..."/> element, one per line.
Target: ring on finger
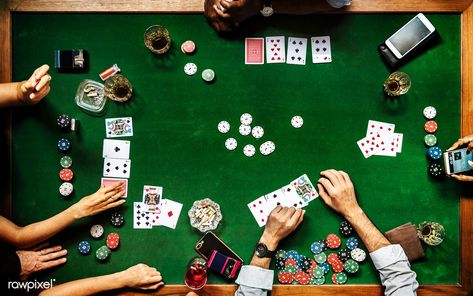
<point x="222" y="9"/>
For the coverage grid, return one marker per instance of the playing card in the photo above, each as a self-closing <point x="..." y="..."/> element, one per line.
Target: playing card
<point x="141" y="219"/>
<point x="273" y="199"/>
<point x="152" y="197"/>
<point x="321" y="52"/>
<point x="116" y="149"/>
<point x="291" y="198"/>
<point x="254" y="51"/>
<point x="275" y="49"/>
<point x="398" y="139"/>
<point x="118" y="168"/>
<point x="154" y="218"/>
<point x="112" y="181"/>
<point x="119" y="127"/>
<point x="370" y="145"/>
<point x="259" y="210"/>
<point x="296" y="50"/>
<point x="388" y="145"/>
<point x="170" y="211"/>
<point x="378" y="126"/>
<point x="304" y="189"/>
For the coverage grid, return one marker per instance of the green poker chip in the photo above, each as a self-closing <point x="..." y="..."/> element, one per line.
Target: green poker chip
<point x="351" y="266"/>
<point x="320" y="258"/>
<point x="430" y="140"/>
<point x="208" y="75"/>
<point x="318" y="272"/>
<point x="290" y="269"/>
<point x="341" y="278"/>
<point x="318" y="281"/>
<point x="66" y="161"/>
<point x="102" y="253"/>
<point x="281" y="254"/>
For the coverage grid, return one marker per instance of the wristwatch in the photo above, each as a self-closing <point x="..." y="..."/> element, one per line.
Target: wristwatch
<point x="267" y="9"/>
<point x="261" y="250"/>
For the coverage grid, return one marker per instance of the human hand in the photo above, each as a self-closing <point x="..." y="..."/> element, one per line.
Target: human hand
<point x="192" y="294"/>
<point x="36" y="87"/>
<point x="141" y="276"/>
<point x="468" y="140"/>
<point x="105" y="198"/>
<point x="237" y="11"/>
<point x="281" y="222"/>
<point x="219" y="24"/>
<point x="461" y="177"/>
<point x="337" y="191"/>
<point x="40" y="258"/>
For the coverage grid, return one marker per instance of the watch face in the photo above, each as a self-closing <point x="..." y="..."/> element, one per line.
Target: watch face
<point x="267" y="11"/>
<point x="260" y="250"/>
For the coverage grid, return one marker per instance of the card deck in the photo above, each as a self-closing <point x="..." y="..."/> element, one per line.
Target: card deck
<point x="119" y="127"/>
<point x="275" y="49"/>
<point x="118" y="168"/>
<point x="116" y="149"/>
<point x="254" y="51"/>
<point x="296" y="50"/>
<point x="111" y="181"/>
<point x="321" y="51"/>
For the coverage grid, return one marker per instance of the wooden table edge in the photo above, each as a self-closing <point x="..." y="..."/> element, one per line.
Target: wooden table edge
<point x="464" y="7"/>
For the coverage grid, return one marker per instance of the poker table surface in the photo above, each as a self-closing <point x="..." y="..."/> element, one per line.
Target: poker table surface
<point x="176" y="143"/>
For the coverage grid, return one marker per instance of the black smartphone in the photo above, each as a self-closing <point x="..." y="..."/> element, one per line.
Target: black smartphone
<point x="71" y="60"/>
<point x="210" y="242"/>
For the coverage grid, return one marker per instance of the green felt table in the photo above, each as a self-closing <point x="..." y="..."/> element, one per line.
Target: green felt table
<point x="176" y="143"/>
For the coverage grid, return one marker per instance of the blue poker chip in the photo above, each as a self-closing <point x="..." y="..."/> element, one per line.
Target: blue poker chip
<point x="316" y="247"/>
<point x="292" y="254"/>
<point x="84" y="247"/>
<point x="325" y="266"/>
<point x="434" y="152"/>
<point x="63" y="144"/>
<point x="352" y="243"/>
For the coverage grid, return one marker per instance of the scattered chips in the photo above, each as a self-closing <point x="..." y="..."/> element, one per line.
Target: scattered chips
<point x="320" y="258"/>
<point x="63" y="121"/>
<point x="435" y="170"/>
<point x="316" y="247"/>
<point x="280" y="263"/>
<point x="297" y="121"/>
<point x="188" y="47"/>
<point x="117" y="219"/>
<point x="249" y="150"/>
<point x="318" y="272"/>
<point x="246" y="119"/>
<point x="285" y="277"/>
<point x="290" y="262"/>
<point x="358" y="255"/>
<point x="333" y="241"/>
<point x="332" y="258"/>
<point x="231" y="144"/>
<point x="352" y="243"/>
<point x="344" y="255"/>
<point x="190" y="69"/>
<point x="281" y="254"/>
<point x="267" y="148"/>
<point x="208" y="75"/>
<point x="96" y="231"/>
<point x="102" y="253"/>
<point x="223" y="126"/>
<point x="345" y="229"/>
<point x="84" y="247"/>
<point x="339" y="278"/>
<point x="257" y="132"/>
<point x="351" y="266"/>
<point x="113" y="240"/>
<point x="66" y="189"/>
<point x="244" y="130"/>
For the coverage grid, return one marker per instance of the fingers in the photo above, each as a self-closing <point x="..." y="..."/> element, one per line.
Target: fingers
<point x="40" y="247"/>
<point x="220" y="13"/>
<point x="41" y="71"/>
<point x="50" y="250"/>
<point x="323" y="194"/>
<point x="334" y="176"/>
<point x="470" y="146"/>
<point x="346" y="177"/>
<point x="297" y="217"/>
<point x="114" y="204"/>
<point x="329" y="188"/>
<point x="52" y="256"/>
<point x="42" y="82"/>
<point x="462" y="178"/>
<point x="41" y="94"/>
<point x="52" y="263"/>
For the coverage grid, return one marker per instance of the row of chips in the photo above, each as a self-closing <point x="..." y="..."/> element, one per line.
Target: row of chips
<point x="434" y="153"/>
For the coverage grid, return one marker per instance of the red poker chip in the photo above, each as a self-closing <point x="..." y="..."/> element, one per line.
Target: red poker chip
<point x="285" y="277"/>
<point x="304" y="279"/>
<point x="66" y="175"/>
<point x="298" y="275"/>
<point x="338" y="266"/>
<point x="188" y="47"/>
<point x="430" y="126"/>
<point x="113" y="240"/>
<point x="334" y="278"/>
<point x="290" y="262"/>
<point x="333" y="241"/>
<point x="313" y="264"/>
<point x="332" y="258"/>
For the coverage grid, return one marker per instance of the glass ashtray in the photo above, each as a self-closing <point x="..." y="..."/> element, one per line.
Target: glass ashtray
<point x="90" y="96"/>
<point x="205" y="215"/>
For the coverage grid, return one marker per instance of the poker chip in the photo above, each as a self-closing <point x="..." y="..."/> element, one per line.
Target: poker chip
<point x="317" y="281"/>
<point x="305" y="264"/>
<point x="285" y="277"/>
<point x="430" y="140"/>
<point x="280" y="254"/>
<point x="113" y="240"/>
<point x="96" y="231"/>
<point x="223" y="127"/>
<point x="297" y="121"/>
<point x="66" y="189"/>
<point x="290" y="262"/>
<point x="267" y="148"/>
<point x="63" y="144"/>
<point x="323" y="245"/>
<point x="318" y="272"/>
<point x="231" y="144"/>
<point x="344" y="255"/>
<point x="280" y="263"/>
<point x="208" y="75"/>
<point x="434" y="152"/>
<point x="345" y="229"/>
<point x="102" y="253"/>
<point x="430" y="126"/>
<point x="190" y="69"/>
<point x="291" y="269"/>
<point x="66" y="161"/>
<point x="358" y="255"/>
<point x="430" y="112"/>
<point x="249" y="150"/>
<point x="352" y="243"/>
<point x="188" y="47"/>
<point x="351" y="266"/>
<point x="332" y="258"/>
<point x="63" y="121"/>
<point x="257" y="132"/>
<point x="301" y="277"/>
<point x="435" y="170"/>
<point x="338" y="266"/>
<point x="320" y="258"/>
<point x="117" y="219"/>
<point x="244" y="130"/>
<point x="316" y="247"/>
<point x="333" y="241"/>
<point x="246" y="119"/>
<point x="66" y="174"/>
<point x="325" y="266"/>
<point x="84" y="247"/>
<point x="339" y="278"/>
<point x="292" y="254"/>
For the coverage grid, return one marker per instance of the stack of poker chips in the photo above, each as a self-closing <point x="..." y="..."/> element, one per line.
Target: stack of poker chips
<point x="295" y="268"/>
<point x="64" y="145"/>
<point x="434" y="153"/>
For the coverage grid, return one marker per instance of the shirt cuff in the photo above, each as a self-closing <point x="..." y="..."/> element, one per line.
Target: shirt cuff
<point x="339" y="3"/>
<point x="388" y="255"/>
<point x="255" y="277"/>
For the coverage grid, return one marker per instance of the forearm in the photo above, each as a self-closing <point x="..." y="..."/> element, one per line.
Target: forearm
<point x="11" y="94"/>
<point x="87" y="286"/>
<point x="367" y="231"/>
<point x="272" y="244"/>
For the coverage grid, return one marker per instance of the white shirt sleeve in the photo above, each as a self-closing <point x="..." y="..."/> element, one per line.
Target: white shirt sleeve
<point x="339" y="3"/>
<point x="254" y="281"/>
<point x="395" y="271"/>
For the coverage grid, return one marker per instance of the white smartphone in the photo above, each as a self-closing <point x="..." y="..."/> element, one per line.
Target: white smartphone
<point x="410" y="35"/>
<point x="456" y="161"/>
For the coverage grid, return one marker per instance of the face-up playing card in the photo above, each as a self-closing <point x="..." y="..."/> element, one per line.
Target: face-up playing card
<point x="321" y="52"/>
<point x="275" y="49"/>
<point x="118" y="168"/>
<point x="259" y="210"/>
<point x="141" y="219"/>
<point x="154" y="218"/>
<point x="170" y="211"/>
<point x="379" y="127"/>
<point x="304" y="189"/>
<point x="370" y="145"/>
<point x="152" y="197"/>
<point x="119" y="127"/>
<point x="388" y="145"/>
<point x="112" y="181"/>
<point x="273" y="199"/>
<point x="398" y="139"/>
<point x="254" y="51"/>
<point x="296" y="50"/>
<point x="116" y="149"/>
<point x="291" y="198"/>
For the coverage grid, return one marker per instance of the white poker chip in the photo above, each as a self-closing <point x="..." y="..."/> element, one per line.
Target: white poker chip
<point x="223" y="126"/>
<point x="297" y="121"/>
<point x="358" y="255"/>
<point x="430" y="112"/>
<point x="257" y="132"/>
<point x="231" y="144"/>
<point x="244" y="130"/>
<point x="190" y="69"/>
<point x="246" y="119"/>
<point x="66" y="189"/>
<point x="96" y="231"/>
<point x="267" y="148"/>
<point x="249" y="150"/>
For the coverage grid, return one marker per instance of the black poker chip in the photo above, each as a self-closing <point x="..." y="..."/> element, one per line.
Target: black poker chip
<point x="305" y="264"/>
<point x="117" y="219"/>
<point x="344" y="255"/>
<point x="63" y="121"/>
<point x="346" y="229"/>
<point x="435" y="170"/>
<point x="323" y="245"/>
<point x="280" y="263"/>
